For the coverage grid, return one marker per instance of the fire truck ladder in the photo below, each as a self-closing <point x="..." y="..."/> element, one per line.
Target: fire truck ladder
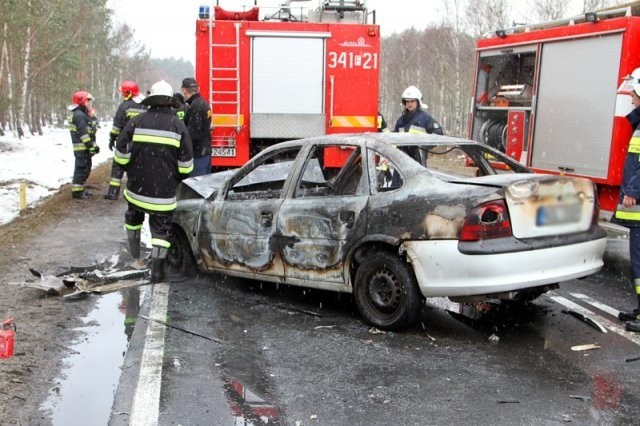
<point x="233" y="69"/>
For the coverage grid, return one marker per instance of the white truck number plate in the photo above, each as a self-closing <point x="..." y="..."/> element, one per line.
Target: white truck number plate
<point x="223" y="152"/>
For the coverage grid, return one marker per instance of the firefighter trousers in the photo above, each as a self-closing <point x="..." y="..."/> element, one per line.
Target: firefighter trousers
<point x="116" y="175"/>
<point x="159" y="223"/>
<point x="82" y="168"/>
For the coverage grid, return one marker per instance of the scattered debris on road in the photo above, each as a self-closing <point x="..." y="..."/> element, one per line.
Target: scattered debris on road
<point x="78" y="281"/>
<point x="586" y="319"/>
<point x="586" y="347"/>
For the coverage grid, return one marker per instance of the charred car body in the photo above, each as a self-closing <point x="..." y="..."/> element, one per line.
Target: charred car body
<point x="393" y="219"/>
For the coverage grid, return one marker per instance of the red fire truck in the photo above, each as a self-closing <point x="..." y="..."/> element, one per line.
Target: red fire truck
<point x="546" y="95"/>
<point x="277" y="74"/>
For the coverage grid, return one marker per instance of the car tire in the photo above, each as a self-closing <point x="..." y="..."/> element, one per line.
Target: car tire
<point x="180" y="258"/>
<point x="386" y="291"/>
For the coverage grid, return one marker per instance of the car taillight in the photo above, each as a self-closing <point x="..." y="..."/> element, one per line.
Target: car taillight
<point x="487" y="221"/>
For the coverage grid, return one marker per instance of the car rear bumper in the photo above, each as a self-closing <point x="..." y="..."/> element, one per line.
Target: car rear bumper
<point x="443" y="271"/>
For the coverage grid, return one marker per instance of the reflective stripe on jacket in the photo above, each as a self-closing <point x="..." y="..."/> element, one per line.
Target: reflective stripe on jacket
<point x="155" y="149"/>
<point x="630" y="216"/>
<point x="79" y="129"/>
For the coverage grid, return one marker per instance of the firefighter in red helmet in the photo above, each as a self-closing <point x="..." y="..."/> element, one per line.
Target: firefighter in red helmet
<point x="128" y="108"/>
<point x="83" y="145"/>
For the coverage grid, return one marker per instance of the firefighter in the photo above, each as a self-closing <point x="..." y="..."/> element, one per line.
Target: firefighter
<point x="414" y="119"/>
<point x="198" y="120"/>
<point x="381" y="124"/>
<point x="182" y="109"/>
<point x="628" y="211"/>
<point x="83" y="146"/>
<point x="128" y="108"/>
<point x="155" y="150"/>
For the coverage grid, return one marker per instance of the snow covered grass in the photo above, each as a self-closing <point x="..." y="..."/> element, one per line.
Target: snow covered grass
<point x="42" y="163"/>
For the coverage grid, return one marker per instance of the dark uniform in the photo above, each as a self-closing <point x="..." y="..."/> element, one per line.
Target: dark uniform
<point x="630" y="216"/>
<point x="198" y="120"/>
<point x="417" y="121"/>
<point x="83" y="149"/>
<point x="155" y="150"/>
<point x="125" y="112"/>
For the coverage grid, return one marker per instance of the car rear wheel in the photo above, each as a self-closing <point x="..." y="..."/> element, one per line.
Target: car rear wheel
<point x="386" y="292"/>
<point x="180" y="257"/>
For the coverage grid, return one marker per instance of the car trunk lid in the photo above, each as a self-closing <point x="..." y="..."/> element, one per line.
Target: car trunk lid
<point x="544" y="205"/>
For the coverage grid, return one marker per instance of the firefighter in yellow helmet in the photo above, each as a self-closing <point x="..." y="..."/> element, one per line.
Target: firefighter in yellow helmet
<point x="414" y="119"/>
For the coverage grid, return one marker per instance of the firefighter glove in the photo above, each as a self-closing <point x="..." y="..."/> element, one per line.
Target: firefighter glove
<point x="94" y="149"/>
<point x="112" y="141"/>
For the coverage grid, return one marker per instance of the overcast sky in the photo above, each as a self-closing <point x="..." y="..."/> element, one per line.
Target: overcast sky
<point x="167" y="27"/>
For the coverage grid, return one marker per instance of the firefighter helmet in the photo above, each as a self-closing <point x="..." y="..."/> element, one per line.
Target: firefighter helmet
<point x="129" y="88"/>
<point x="412" y="92"/>
<point x="161" y="94"/>
<point x="636" y="88"/>
<point x="81" y="97"/>
<point x="635" y="75"/>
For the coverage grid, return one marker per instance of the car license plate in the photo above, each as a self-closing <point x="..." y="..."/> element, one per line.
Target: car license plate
<point x="223" y="152"/>
<point x="557" y="215"/>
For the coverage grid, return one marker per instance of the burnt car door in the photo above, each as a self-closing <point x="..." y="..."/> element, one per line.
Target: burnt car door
<point x="238" y="228"/>
<point x="325" y="214"/>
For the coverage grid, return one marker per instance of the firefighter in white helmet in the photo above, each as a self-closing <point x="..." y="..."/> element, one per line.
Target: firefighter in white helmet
<point x="628" y="210"/>
<point x="414" y="119"/>
<point x="155" y="150"/>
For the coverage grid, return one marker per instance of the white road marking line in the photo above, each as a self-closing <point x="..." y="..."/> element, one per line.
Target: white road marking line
<point x="146" y="401"/>
<point x="592" y="302"/>
<point x="635" y="338"/>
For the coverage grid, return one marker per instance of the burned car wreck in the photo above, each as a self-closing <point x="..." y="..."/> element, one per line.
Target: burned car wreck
<point x="393" y="219"/>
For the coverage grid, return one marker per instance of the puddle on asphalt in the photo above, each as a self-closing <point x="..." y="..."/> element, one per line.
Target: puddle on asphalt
<point x="248" y="407"/>
<point x="85" y="391"/>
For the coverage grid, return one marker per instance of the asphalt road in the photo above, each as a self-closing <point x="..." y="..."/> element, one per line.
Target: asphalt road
<point x="242" y="352"/>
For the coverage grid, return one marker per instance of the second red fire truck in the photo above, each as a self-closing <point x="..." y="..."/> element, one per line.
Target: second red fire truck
<point x="291" y="72"/>
<point x="552" y="96"/>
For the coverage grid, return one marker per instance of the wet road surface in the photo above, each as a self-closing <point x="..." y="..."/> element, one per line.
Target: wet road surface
<point x="240" y="351"/>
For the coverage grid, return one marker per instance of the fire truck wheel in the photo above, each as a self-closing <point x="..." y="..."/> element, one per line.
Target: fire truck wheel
<point x="180" y="257"/>
<point x="386" y="291"/>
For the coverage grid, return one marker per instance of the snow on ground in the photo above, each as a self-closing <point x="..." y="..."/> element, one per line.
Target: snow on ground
<point x="43" y="163"/>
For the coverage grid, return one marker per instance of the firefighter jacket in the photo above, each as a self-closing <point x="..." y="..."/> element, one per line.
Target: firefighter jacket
<point x="155" y="150"/>
<point x="94" y="125"/>
<point x="417" y="121"/>
<point x="630" y="216"/>
<point x="125" y="112"/>
<point x="79" y="128"/>
<point x="198" y="120"/>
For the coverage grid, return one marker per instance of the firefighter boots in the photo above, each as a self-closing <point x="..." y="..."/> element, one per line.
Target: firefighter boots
<point x="133" y="235"/>
<point x="158" y="264"/>
<point x="80" y="195"/>
<point x="629" y="315"/>
<point x="633" y="326"/>
<point x="112" y="193"/>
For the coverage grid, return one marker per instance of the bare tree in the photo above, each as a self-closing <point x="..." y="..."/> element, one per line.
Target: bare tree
<point x="548" y="10"/>
<point x="483" y="16"/>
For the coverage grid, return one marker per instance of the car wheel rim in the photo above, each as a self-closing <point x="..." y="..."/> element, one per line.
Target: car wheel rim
<point x="385" y="292"/>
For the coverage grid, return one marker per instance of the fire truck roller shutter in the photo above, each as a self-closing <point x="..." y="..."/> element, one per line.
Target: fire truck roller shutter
<point x="575" y="105"/>
<point x="287" y="84"/>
